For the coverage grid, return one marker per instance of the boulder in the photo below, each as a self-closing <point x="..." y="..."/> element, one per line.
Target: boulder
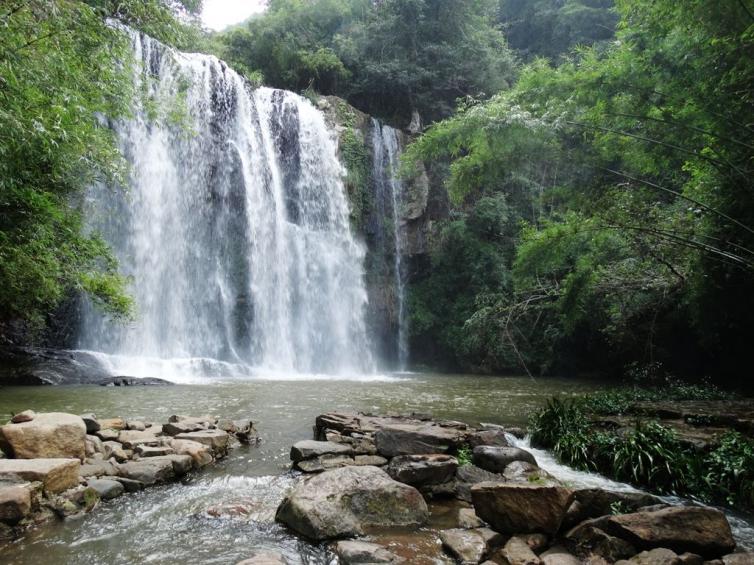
<point x="136" y="425"/>
<point x="594" y="502"/>
<point x="470" y="546"/>
<point x="355" y="552"/>
<point x="517" y="552"/>
<point x="310" y="449"/>
<point x="417" y="439"/>
<point x="496" y="459"/>
<point x="92" y="445"/>
<point x="343" y="502"/>
<point x="115" y="449"/>
<point x="524" y="472"/>
<point x="51" y="435"/>
<point x="659" y="556"/>
<point x="148" y="471"/>
<point x="108" y="434"/>
<point x="591" y="539"/>
<point x="492" y="437"/>
<point x="325" y="462"/>
<point x="153" y="451"/>
<point x="558" y="555"/>
<point x="184" y="427"/>
<point x="200" y="453"/>
<point x="15" y="503"/>
<point x="91" y="423"/>
<point x="21" y="417"/>
<point x="695" y="529"/>
<point x="216" y="440"/>
<point x="374" y="460"/>
<point x="694" y="559"/>
<point x="130" y="485"/>
<point x="56" y="475"/>
<point x="516" y="508"/>
<point x="106" y="488"/>
<point x="112" y="424"/>
<point x="95" y="468"/>
<point x="469" y="475"/>
<point x="133" y="438"/>
<point x="468" y="519"/>
<point x="419" y="470"/>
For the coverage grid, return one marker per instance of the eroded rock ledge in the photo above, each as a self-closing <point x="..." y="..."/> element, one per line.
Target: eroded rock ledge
<point x="366" y="474"/>
<point x="58" y="465"/>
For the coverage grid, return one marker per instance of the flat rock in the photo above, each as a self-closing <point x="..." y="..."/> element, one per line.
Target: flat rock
<point x="469" y="475"/>
<point x="106" y="488"/>
<point x="131" y="485"/>
<point x="325" y="462"/>
<point x="517" y="552"/>
<point x="216" y="440"/>
<point x="153" y="451"/>
<point x="593" y="503"/>
<point x="417" y="439"/>
<point x="496" y="459"/>
<point x="112" y="424"/>
<point x="525" y="472"/>
<point x="469" y="546"/>
<point x="516" y="508"/>
<point x="558" y="555"/>
<point x="374" y="460"/>
<point x="468" y="519"/>
<point x="115" y="449"/>
<point x="56" y="475"/>
<point x="91" y="423"/>
<point x="695" y="529"/>
<point x="108" y="434"/>
<point x="420" y="470"/>
<point x="355" y="552"/>
<point x="344" y="502"/>
<point x="184" y="427"/>
<point x="50" y="435"/>
<point x="15" y="503"/>
<point x="133" y="438"/>
<point x="738" y="559"/>
<point x="310" y="449"/>
<point x="148" y="471"/>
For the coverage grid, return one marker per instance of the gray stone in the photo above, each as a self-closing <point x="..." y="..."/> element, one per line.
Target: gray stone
<point x="420" y="470"/>
<point x="324" y="462"/>
<point x="310" y="449"/>
<point x="131" y="485"/>
<point x="517" y="552"/>
<point x="200" y="453"/>
<point x="342" y="502"/>
<point x="374" y="460"/>
<point x="15" y="503"/>
<point x="153" y="451"/>
<point x="739" y="559"/>
<point x="355" y="552"/>
<point x="659" y="556"/>
<point x="21" y="417"/>
<point x="417" y="439"/>
<point x="106" y="488"/>
<point x="92" y="445"/>
<point x="593" y="503"/>
<point x="469" y="475"/>
<point x="592" y="539"/>
<point x="525" y="472"/>
<point x="115" y="449"/>
<point x="216" y="440"/>
<point x="496" y="459"/>
<point x="265" y="558"/>
<point x="97" y="468"/>
<point x="470" y="546"/>
<point x="108" y="434"/>
<point x="694" y="529"/>
<point x="133" y="438"/>
<point x="148" y="471"/>
<point x="136" y="425"/>
<point x="56" y="475"/>
<point x="468" y="519"/>
<point x="493" y="437"/>
<point x="558" y="555"/>
<point x="91" y="423"/>
<point x="516" y="508"/>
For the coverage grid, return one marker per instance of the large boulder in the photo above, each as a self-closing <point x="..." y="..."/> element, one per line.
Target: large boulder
<point x="595" y="502"/>
<point x="107" y="489"/>
<point x="420" y="470"/>
<point x="492" y="437"/>
<point x="56" y="475"/>
<point x="496" y="459"/>
<point x="344" y="502"/>
<point x="520" y="508"/>
<point x="15" y="503"/>
<point x="518" y="552"/>
<point x="695" y="529"/>
<point x="49" y="435"/>
<point x="200" y="453"/>
<point x="417" y="438"/>
<point x="148" y="471"/>
<point x="590" y="539"/>
<point x="217" y="440"/>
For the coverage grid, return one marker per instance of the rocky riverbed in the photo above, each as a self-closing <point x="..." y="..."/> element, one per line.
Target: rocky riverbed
<point x="362" y="489"/>
<point x="58" y="465"/>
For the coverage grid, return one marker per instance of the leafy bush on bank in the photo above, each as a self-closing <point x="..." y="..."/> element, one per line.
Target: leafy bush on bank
<point x="650" y="455"/>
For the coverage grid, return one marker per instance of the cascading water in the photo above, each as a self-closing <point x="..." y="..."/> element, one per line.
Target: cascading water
<point x="386" y="155"/>
<point x="235" y="229"/>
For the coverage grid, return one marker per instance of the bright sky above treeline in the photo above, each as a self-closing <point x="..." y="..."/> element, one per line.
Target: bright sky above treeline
<point x="219" y="14"/>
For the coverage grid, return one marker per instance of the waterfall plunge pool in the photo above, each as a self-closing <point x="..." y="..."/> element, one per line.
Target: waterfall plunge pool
<point x="169" y="524"/>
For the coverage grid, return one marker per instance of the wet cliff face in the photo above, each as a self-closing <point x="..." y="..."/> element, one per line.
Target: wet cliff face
<point x="396" y="218"/>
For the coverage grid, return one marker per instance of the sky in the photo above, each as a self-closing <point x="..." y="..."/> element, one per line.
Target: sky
<point x="219" y="14"/>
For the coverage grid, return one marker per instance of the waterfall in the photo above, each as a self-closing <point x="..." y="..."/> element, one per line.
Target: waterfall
<point x="234" y="228"/>
<point x="386" y="155"/>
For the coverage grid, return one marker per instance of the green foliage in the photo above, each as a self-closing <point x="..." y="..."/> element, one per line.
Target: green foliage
<point x="464" y="456"/>
<point x="387" y="58"/>
<point x="649" y="454"/>
<point x="629" y="168"/>
<point x="357" y="160"/>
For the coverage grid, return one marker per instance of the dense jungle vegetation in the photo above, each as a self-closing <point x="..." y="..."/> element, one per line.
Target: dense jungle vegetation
<point x="598" y="156"/>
